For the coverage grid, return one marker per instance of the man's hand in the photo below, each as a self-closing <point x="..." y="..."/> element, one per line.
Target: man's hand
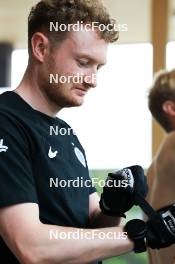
<point x="158" y="232"/>
<point x="161" y="231"/>
<point x="121" y="187"/>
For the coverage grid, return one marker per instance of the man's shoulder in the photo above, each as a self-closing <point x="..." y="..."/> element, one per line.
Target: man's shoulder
<point x="6" y="96"/>
<point x="170" y="138"/>
<point x="165" y="154"/>
<point x="165" y="157"/>
<point x="7" y="102"/>
<point x="14" y="109"/>
<point x="7" y="110"/>
<point x="13" y="122"/>
<point x="168" y="143"/>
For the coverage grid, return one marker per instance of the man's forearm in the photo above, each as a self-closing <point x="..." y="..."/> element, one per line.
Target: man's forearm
<point x="101" y="220"/>
<point x="55" y="244"/>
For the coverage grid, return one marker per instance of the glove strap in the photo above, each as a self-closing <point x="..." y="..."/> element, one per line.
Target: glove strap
<point x="145" y="206"/>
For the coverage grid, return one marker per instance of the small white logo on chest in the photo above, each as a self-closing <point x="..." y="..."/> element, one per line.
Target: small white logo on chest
<point x="52" y="154"/>
<point x="3" y="148"/>
<point x="80" y="156"/>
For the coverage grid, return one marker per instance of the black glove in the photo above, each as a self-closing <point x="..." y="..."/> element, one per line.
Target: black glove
<point x="136" y="230"/>
<point x="119" y="192"/>
<point x="161" y="229"/>
<point x="158" y="232"/>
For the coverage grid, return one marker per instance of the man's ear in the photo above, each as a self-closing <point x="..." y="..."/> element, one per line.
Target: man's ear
<point x="169" y="107"/>
<point x="40" y="46"/>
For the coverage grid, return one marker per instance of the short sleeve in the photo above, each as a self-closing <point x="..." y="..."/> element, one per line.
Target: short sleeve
<point x="17" y="184"/>
<point x="92" y="188"/>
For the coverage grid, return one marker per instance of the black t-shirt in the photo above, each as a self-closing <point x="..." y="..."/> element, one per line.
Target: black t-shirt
<point x="38" y="155"/>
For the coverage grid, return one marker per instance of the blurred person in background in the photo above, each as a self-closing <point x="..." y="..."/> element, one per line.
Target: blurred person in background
<point x="161" y="173"/>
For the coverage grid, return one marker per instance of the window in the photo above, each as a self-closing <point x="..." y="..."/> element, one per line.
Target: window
<point x="170" y="55"/>
<point x="19" y="63"/>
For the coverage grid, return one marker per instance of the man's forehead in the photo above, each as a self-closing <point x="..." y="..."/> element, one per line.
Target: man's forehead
<point x="88" y="44"/>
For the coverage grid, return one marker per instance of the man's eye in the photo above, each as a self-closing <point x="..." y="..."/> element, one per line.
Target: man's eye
<point x="83" y="62"/>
